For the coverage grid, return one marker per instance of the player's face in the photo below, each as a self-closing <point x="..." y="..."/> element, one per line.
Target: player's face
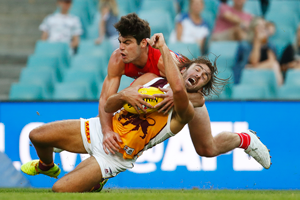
<point x="196" y="76"/>
<point x="129" y="49"/>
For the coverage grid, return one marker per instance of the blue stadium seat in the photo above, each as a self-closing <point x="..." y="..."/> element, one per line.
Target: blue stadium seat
<point x="260" y="77"/>
<point x="209" y="18"/>
<point x="93" y="29"/>
<point x="41" y="61"/>
<point x="56" y="49"/>
<point x="166" y="6"/>
<point x="160" y="22"/>
<point x="96" y="64"/>
<point x="72" y="91"/>
<point x="25" y="91"/>
<point x="45" y="77"/>
<point x="226" y="50"/>
<point x="283" y="34"/>
<point x="190" y="50"/>
<point x="88" y="47"/>
<point x="250" y="92"/>
<point x="82" y="76"/>
<point x="291" y="92"/>
<point x="292" y="77"/>
<point x="253" y="7"/>
<point x="283" y="20"/>
<point x="126" y="6"/>
<point x="284" y="6"/>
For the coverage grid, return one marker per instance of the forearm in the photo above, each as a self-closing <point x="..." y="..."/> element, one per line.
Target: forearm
<point x="255" y="53"/>
<point x="44" y="36"/>
<point x="232" y="18"/>
<point x="114" y="103"/>
<point x="172" y="72"/>
<point x="105" y="118"/>
<point x="75" y="42"/>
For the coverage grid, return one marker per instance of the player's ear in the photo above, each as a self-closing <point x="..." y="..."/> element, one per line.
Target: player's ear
<point x="183" y="70"/>
<point x="144" y="43"/>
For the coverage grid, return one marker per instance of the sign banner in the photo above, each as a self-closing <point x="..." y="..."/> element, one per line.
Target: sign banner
<point x="173" y="164"/>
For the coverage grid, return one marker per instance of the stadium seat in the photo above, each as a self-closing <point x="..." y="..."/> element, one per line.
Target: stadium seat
<point x="166" y="6"/>
<point x="82" y="76"/>
<point x="88" y="47"/>
<point x="160" y="22"/>
<point x="45" y="77"/>
<point x="93" y="29"/>
<point x="283" y="20"/>
<point x="190" y="50"/>
<point x="95" y="64"/>
<point x="41" y="61"/>
<point x="209" y="18"/>
<point x="291" y="92"/>
<point x="126" y="6"/>
<point x="260" y="77"/>
<point x="25" y="91"/>
<point x="72" y="91"/>
<point x="226" y="51"/>
<point x="253" y="7"/>
<point x="283" y="34"/>
<point x="250" y="92"/>
<point x="56" y="49"/>
<point x="279" y="6"/>
<point x="292" y="77"/>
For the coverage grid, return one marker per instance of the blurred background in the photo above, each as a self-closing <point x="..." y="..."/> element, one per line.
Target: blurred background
<point x="58" y="51"/>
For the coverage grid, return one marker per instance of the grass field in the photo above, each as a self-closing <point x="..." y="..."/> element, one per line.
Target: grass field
<point x="128" y="194"/>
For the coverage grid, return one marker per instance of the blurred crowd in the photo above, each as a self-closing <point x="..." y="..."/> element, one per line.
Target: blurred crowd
<point x="261" y="42"/>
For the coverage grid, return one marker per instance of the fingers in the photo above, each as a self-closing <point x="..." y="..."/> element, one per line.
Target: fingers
<point x="165" y="101"/>
<point x="107" y="149"/>
<point x="160" y="95"/>
<point x="147" y="96"/>
<point x="166" y="108"/>
<point x="164" y="89"/>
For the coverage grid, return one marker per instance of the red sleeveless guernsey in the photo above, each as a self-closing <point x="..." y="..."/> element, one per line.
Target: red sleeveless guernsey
<point x="151" y="66"/>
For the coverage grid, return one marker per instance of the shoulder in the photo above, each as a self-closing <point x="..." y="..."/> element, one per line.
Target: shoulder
<point x="182" y="16"/>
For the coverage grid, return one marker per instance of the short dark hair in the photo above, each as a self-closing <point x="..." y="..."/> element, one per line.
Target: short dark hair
<point x="132" y="25"/>
<point x="215" y="85"/>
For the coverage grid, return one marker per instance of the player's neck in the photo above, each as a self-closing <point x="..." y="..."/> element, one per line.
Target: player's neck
<point x="141" y="61"/>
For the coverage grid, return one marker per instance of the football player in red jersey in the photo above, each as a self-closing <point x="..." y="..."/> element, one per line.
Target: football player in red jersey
<point x="134" y="58"/>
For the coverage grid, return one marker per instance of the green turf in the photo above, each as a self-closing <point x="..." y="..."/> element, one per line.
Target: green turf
<point x="41" y="194"/>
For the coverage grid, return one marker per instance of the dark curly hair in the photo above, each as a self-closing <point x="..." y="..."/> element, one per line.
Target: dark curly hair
<point x="215" y="85"/>
<point x="132" y="25"/>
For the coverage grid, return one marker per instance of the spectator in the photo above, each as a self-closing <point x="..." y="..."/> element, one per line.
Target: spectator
<point x="257" y="53"/>
<point x="109" y="16"/>
<point x="291" y="55"/>
<point x="232" y="23"/>
<point x="62" y="26"/>
<point x="190" y="27"/>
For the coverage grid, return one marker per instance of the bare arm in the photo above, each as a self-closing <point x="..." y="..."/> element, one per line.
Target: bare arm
<point x="110" y="87"/>
<point x="183" y="107"/>
<point x="75" y="41"/>
<point x="116" y="101"/>
<point x="44" y="35"/>
<point x="255" y="53"/>
<point x="228" y="16"/>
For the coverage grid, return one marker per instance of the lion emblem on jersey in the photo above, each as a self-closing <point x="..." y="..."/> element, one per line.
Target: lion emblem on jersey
<point x="142" y="122"/>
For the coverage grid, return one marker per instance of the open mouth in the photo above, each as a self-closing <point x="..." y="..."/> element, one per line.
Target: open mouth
<point x="123" y="55"/>
<point x="192" y="81"/>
